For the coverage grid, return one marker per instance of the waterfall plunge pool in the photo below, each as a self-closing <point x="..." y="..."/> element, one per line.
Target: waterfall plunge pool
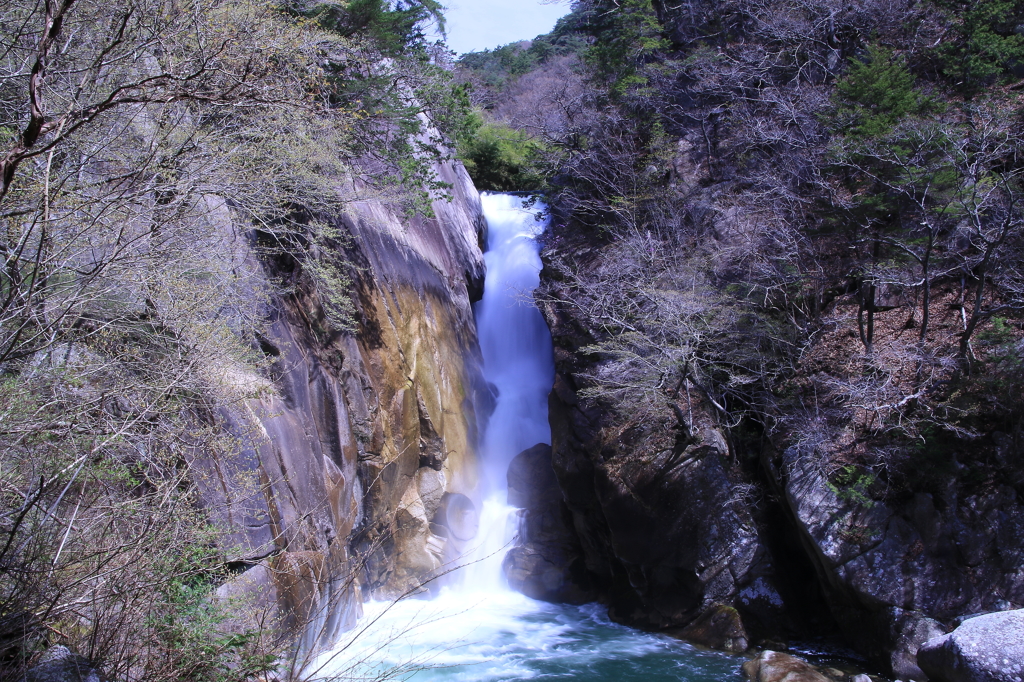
<point x="487" y="637"/>
<point x="477" y="629"/>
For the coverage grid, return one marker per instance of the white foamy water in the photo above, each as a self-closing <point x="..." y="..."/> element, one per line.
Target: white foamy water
<point x="478" y="629"/>
<point x="514" y="338"/>
<point x="465" y="636"/>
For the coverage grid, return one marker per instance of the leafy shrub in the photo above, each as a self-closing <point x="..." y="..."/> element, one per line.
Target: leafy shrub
<point x="502" y="159"/>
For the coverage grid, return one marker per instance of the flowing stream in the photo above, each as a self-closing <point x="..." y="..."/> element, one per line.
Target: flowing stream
<point x="477" y="629"/>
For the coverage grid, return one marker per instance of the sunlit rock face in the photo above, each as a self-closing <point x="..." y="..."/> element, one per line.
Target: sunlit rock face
<point x="343" y="461"/>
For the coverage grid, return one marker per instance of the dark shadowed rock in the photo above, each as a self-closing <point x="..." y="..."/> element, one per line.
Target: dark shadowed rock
<point x="772" y="666"/>
<point x="60" y="664"/>
<point x="546" y="562"/>
<point x="987" y="648"/>
<point x="893" y="567"/>
<point x="543" y="572"/>
<point x="914" y="630"/>
<point x="531" y="480"/>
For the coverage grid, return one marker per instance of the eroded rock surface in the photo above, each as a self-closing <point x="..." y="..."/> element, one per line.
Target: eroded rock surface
<point x="773" y="666"/>
<point x="343" y="461"/>
<point x="896" y="571"/>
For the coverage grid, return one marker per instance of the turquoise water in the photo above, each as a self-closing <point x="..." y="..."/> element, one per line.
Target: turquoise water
<point x="507" y="636"/>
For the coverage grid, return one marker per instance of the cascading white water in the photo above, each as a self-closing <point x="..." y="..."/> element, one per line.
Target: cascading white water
<point x="518" y="364"/>
<point x="477" y="629"/>
<point x="514" y="338"/>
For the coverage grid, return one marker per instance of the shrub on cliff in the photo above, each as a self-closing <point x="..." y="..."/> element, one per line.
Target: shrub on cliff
<point x="502" y="159"/>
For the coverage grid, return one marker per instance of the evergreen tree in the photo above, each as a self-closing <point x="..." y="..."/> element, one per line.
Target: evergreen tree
<point x="876" y="94"/>
<point x="984" y="46"/>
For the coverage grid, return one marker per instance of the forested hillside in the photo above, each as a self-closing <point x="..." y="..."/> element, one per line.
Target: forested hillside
<point x="180" y="258"/>
<point x="796" y="224"/>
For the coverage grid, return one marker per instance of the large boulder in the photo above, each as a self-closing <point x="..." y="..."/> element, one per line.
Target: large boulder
<point x="987" y="648"/>
<point x="719" y="627"/>
<point x="893" y="566"/>
<point x="546" y="562"/>
<point x="531" y="479"/>
<point x="913" y="630"/>
<point x="60" y="664"/>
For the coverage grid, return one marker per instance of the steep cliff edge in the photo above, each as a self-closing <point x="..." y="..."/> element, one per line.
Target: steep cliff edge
<point x="344" y="460"/>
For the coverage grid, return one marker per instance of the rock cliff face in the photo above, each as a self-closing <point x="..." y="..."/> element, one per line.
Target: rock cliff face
<point x="725" y="538"/>
<point x="346" y="458"/>
<point x="667" y="518"/>
<point x="900" y="571"/>
<point x="547" y="561"/>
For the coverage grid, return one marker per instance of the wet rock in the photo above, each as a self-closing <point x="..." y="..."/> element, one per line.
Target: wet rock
<point x="719" y="627"/>
<point x="987" y="648"/>
<point x="661" y="515"/>
<point x="546" y="562"/>
<point x="531" y="479"/>
<point x="543" y="572"/>
<point x="60" y="664"/>
<point x="458" y="516"/>
<point x="773" y="666"/>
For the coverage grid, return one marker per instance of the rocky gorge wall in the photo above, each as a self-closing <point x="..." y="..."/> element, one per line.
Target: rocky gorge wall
<point x="347" y="455"/>
<point x="687" y="526"/>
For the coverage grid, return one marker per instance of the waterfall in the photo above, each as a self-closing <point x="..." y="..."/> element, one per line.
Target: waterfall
<point x="518" y="365"/>
<point x="514" y="338"/>
<point x="476" y="629"/>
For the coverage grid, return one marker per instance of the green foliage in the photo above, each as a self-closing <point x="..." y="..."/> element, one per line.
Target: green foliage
<point x="502" y="159"/>
<point x="194" y="626"/>
<point x="851" y="483"/>
<point x="1005" y="355"/>
<point x="626" y="34"/>
<point x="876" y="94"/>
<point x="499" y="66"/>
<point x="984" y="46"/>
<point x="392" y="78"/>
<point x="331" y="279"/>
<point x="393" y="27"/>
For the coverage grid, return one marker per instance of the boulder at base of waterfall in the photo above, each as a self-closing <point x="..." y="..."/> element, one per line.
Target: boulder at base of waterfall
<point x="60" y="664"/>
<point x="543" y="572"/>
<point x="719" y="627"/>
<point x="547" y="562"/>
<point x="987" y="648"/>
<point x="772" y="666"/>
<point x="531" y="479"/>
